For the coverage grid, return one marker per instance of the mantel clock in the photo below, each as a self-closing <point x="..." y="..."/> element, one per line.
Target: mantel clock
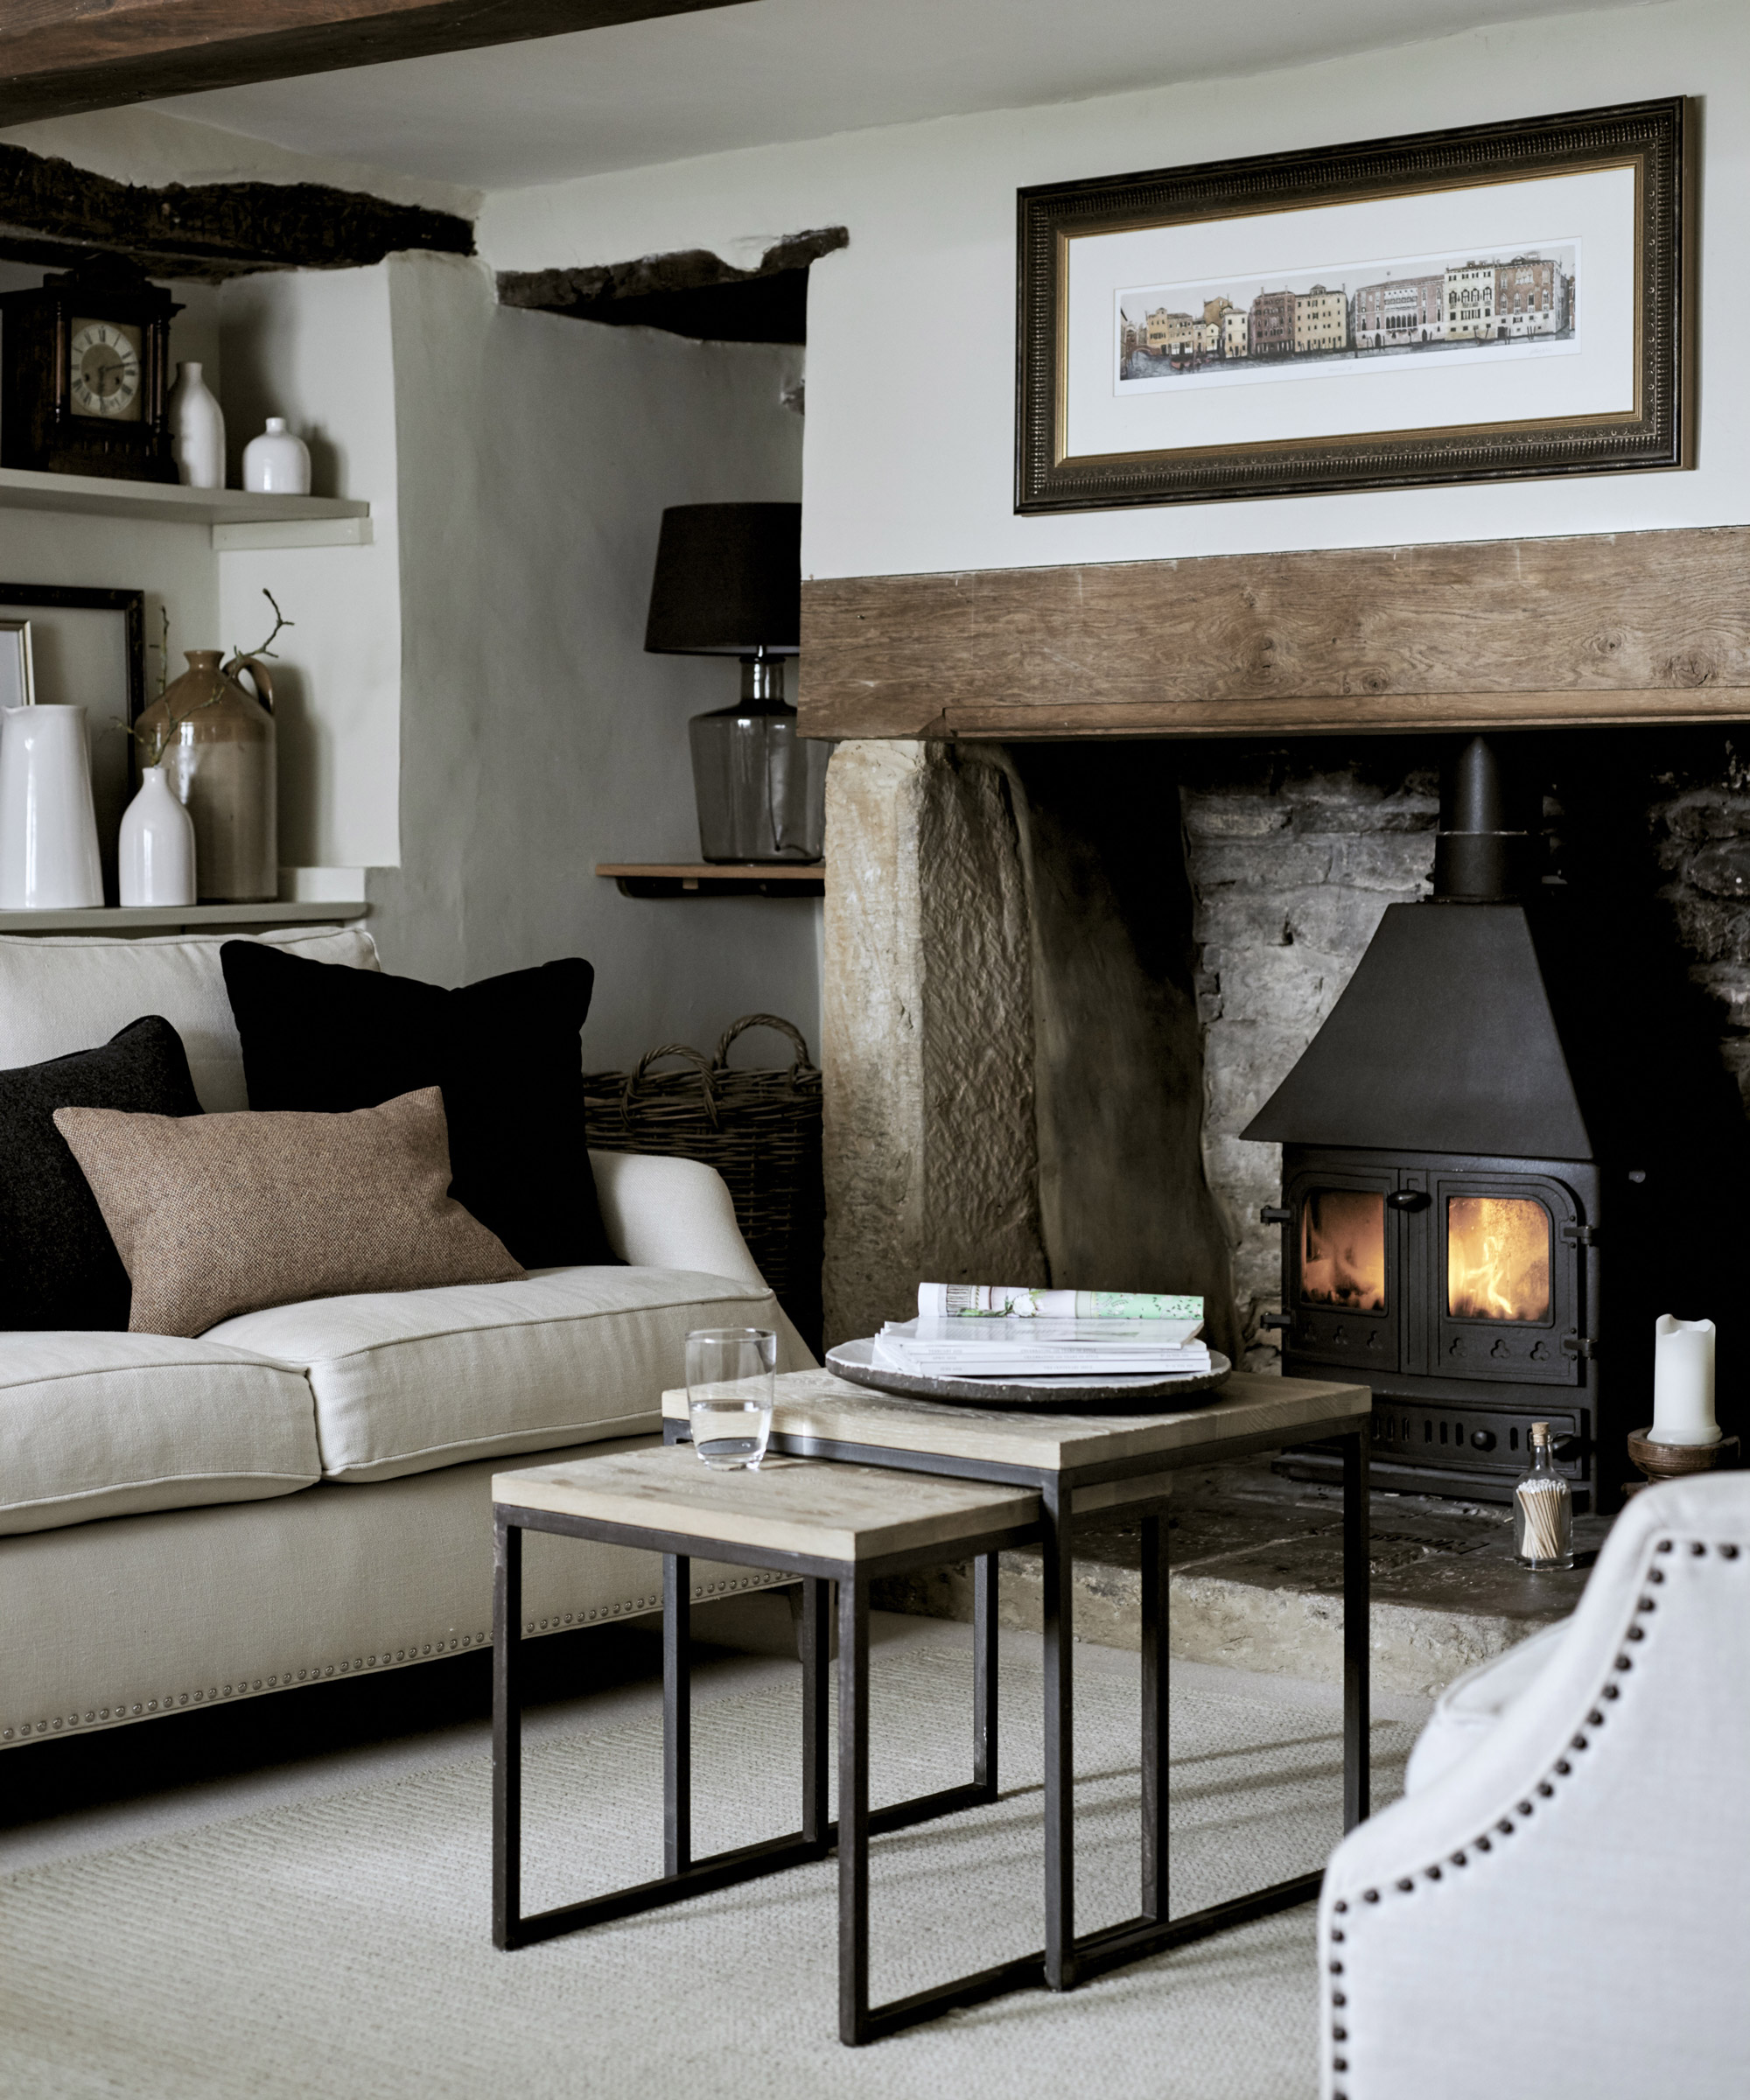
<point x="84" y="364"/>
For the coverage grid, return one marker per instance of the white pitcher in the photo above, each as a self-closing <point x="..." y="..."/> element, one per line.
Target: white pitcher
<point x="48" y="825"/>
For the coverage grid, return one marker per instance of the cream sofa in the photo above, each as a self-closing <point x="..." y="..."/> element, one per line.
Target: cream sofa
<point x="303" y="1494"/>
<point x="1557" y="1905"/>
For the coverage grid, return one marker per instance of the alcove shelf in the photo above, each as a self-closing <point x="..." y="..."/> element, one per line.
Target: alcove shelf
<point x="238" y="518"/>
<point x="716" y="878"/>
<point x="181" y="918"/>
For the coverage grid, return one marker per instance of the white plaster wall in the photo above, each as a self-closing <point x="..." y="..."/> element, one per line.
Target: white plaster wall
<point x="316" y="347"/>
<point x="536" y="458"/>
<point x="911" y="330"/>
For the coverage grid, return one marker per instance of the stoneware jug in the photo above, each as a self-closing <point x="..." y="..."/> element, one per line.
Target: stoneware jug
<point x="197" y="430"/>
<point x="155" y="856"/>
<point x="48" y="824"/>
<point x="216" y="743"/>
<point x="277" y="462"/>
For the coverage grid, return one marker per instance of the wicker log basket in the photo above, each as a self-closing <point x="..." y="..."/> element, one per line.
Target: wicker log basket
<point x="762" y="1131"/>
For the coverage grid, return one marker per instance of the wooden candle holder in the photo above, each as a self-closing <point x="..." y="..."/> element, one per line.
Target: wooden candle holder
<point x="1673" y="1461"/>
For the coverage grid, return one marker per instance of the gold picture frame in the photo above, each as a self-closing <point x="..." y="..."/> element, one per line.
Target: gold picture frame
<point x="17" y="665"/>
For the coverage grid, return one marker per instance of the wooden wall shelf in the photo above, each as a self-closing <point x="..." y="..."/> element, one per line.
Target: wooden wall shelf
<point x="236" y="517"/>
<point x="182" y="918"/>
<point x="717" y="879"/>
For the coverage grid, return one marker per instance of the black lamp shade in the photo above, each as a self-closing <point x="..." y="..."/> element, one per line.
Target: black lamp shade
<point x="729" y="581"/>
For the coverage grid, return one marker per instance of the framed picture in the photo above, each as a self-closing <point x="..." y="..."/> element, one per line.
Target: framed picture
<point x="1480" y="304"/>
<point x="87" y="648"/>
<point x="17" y="681"/>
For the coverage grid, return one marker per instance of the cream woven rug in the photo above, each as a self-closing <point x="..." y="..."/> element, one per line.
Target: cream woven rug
<point x="338" y="1949"/>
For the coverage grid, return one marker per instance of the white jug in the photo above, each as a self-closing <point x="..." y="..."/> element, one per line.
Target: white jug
<point x="156" y="851"/>
<point x="48" y="825"/>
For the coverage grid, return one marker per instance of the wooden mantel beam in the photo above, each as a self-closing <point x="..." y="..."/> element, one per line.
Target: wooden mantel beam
<point x="60" y="57"/>
<point x="1624" y="627"/>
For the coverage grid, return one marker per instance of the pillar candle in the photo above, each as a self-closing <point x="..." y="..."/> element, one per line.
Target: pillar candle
<point x="1682" y="1381"/>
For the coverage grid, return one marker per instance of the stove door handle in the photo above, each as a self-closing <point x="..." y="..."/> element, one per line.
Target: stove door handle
<point x="1408" y="1198"/>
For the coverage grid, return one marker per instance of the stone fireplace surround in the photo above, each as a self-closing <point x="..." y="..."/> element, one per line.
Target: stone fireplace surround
<point x="1061" y="977"/>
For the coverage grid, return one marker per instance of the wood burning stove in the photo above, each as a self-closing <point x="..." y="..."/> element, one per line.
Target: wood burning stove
<point x="1464" y="1289"/>
<point x="1449" y="1137"/>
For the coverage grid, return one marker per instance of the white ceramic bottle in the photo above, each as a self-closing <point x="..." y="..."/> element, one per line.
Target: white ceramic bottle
<point x="48" y="824"/>
<point x="277" y="462"/>
<point x="156" y="856"/>
<point x="197" y="430"/>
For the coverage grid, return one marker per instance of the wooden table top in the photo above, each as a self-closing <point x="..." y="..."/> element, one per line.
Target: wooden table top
<point x="1251" y="1405"/>
<point x="810" y="1506"/>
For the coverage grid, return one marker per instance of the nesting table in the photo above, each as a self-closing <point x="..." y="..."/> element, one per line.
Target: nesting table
<point x="912" y="1484"/>
<point x="1094" y="1465"/>
<point x="844" y="1524"/>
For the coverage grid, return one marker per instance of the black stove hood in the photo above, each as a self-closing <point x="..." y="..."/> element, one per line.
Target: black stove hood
<point x="1444" y="1040"/>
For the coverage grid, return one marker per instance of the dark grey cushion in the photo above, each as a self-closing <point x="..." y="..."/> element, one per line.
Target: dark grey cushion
<point x="58" y="1267"/>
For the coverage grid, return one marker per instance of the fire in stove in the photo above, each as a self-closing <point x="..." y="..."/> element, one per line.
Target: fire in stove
<point x="1497" y="1259"/>
<point x="1342" y="1249"/>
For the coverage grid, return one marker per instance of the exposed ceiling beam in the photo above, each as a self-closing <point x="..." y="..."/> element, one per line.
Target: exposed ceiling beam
<point x="61" y="57"/>
<point x="53" y="213"/>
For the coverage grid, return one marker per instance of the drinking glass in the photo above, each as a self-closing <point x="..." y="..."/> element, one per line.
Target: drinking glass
<point x="729" y="1394"/>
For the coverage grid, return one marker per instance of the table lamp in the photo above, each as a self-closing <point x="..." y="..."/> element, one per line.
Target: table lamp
<point x="728" y="582"/>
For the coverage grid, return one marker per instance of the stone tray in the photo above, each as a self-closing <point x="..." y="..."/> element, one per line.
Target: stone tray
<point x="854" y="1361"/>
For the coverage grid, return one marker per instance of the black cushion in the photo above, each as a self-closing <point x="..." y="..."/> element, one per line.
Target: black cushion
<point x="58" y="1267"/>
<point x="507" y="1052"/>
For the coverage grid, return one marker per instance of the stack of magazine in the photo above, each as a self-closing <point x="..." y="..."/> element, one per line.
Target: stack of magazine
<point x="996" y="1332"/>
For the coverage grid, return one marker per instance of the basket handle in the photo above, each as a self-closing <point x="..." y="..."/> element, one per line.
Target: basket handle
<point x="720" y="1062"/>
<point x="669" y="1050"/>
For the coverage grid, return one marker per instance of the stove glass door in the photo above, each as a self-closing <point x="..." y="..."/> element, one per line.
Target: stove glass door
<point x="1498" y="1259"/>
<point x="1505" y="1278"/>
<point x="1340" y="1254"/>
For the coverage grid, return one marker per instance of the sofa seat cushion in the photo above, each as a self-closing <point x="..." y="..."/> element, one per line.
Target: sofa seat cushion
<point x="95" y="1425"/>
<point x="409" y="1380"/>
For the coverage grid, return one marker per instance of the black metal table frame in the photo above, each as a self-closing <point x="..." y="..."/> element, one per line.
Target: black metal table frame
<point x="1066" y="1959"/>
<point x="683" y="1875"/>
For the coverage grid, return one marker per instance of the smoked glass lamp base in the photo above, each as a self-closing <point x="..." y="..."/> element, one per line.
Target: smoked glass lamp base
<point x="760" y="788"/>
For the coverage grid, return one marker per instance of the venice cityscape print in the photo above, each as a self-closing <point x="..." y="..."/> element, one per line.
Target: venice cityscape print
<point x="1441" y="308"/>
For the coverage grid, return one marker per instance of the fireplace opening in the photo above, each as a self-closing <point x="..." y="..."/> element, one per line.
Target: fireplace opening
<point x="1495" y="1148"/>
<point x="1342" y="1249"/>
<point x="1498" y="1259"/>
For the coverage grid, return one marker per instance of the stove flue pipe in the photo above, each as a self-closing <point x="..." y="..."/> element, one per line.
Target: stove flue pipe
<point x="1484" y="850"/>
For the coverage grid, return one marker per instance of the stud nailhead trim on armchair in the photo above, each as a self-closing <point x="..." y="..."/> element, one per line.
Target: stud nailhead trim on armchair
<point x="278" y="1681"/>
<point x="1336" y="2000"/>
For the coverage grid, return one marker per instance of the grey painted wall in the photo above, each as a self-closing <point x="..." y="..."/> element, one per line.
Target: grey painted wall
<point x="536" y="457"/>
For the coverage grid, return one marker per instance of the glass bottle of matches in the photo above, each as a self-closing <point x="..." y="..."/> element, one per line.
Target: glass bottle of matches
<point x="1542" y="1509"/>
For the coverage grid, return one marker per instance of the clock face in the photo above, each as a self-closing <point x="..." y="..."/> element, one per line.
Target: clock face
<point x="105" y="377"/>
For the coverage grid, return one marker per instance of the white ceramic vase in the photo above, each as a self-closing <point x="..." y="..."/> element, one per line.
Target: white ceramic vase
<point x="277" y="462"/>
<point x="48" y="825"/>
<point x="197" y="430"/>
<point x="156" y="860"/>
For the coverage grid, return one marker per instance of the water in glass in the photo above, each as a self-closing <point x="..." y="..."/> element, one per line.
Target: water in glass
<point x="729" y="1372"/>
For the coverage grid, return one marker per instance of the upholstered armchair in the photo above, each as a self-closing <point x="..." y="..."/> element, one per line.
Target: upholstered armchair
<point x="1559" y="1906"/>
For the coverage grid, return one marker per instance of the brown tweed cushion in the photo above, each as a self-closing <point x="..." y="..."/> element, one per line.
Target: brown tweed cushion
<point x="214" y="1215"/>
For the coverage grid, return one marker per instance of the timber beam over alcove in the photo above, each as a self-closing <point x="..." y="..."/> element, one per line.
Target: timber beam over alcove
<point x="1624" y="627"/>
<point x="60" y="57"/>
<point x="55" y="214"/>
<point x="691" y="292"/>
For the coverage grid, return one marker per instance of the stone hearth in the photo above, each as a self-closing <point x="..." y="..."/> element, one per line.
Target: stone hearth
<point x="1257" y="1582"/>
